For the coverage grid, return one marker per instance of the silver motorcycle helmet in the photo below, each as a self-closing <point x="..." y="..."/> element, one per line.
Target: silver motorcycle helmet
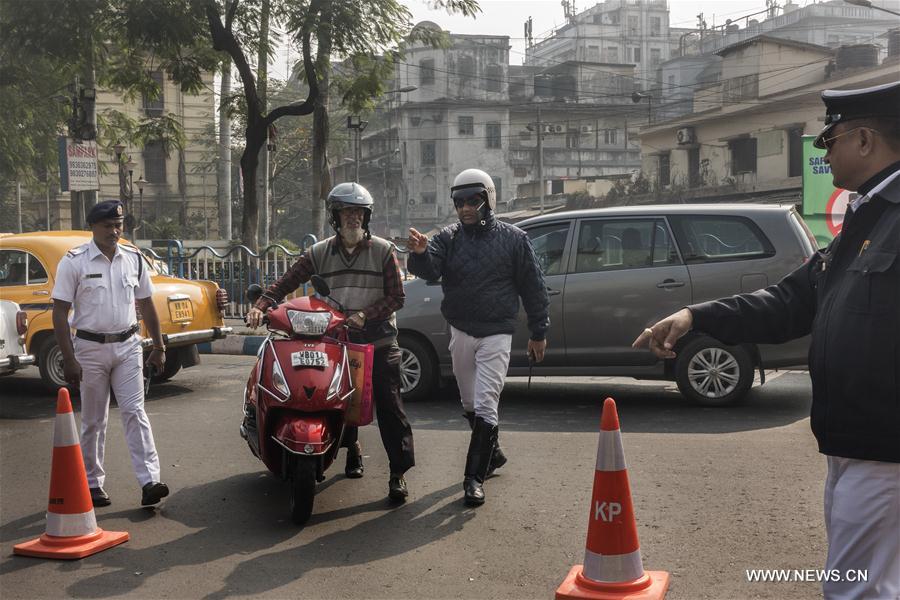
<point x="349" y="195"/>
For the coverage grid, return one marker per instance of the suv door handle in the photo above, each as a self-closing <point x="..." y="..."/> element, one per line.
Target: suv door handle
<point x="552" y="292"/>
<point x="41" y="293"/>
<point x="670" y="283"/>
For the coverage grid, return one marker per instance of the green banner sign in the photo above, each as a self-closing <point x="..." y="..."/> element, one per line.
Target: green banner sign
<point x="823" y="204"/>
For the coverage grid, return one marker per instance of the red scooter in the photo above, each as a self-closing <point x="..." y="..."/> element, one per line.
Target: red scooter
<point x="298" y="393"/>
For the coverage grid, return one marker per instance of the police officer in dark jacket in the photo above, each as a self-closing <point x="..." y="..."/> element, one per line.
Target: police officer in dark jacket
<point x="485" y="266"/>
<point x="848" y="297"/>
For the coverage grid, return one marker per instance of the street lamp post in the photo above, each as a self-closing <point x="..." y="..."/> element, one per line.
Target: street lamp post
<point x="358" y="125"/>
<point x="638" y="96"/>
<point x="126" y="185"/>
<point x="392" y="151"/>
<point x="141" y="181"/>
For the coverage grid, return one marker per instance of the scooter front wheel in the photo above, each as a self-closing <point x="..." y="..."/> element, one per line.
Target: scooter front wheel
<point x="303" y="489"/>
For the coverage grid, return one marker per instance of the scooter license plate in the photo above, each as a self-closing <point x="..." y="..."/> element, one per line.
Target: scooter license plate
<point x="309" y="358"/>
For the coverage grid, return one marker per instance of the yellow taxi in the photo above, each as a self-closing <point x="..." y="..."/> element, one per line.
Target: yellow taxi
<point x="190" y="312"/>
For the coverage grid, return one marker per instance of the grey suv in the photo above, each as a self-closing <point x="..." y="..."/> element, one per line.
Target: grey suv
<point x="612" y="272"/>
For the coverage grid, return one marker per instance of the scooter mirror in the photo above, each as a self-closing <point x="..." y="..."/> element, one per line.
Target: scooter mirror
<point x="254" y="291"/>
<point x="320" y="286"/>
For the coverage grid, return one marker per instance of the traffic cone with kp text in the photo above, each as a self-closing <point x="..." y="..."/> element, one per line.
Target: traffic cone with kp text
<point x="613" y="569"/>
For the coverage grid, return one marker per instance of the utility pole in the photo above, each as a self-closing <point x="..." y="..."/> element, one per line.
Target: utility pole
<point x="19" y="204"/>
<point x="540" y="151"/>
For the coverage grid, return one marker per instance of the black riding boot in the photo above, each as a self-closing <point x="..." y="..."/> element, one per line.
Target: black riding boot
<point x="498" y="459"/>
<point x="481" y="446"/>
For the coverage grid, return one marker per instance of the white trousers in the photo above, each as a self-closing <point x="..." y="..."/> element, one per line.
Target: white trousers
<point x="117" y="366"/>
<point x="480" y="366"/>
<point x="862" y="520"/>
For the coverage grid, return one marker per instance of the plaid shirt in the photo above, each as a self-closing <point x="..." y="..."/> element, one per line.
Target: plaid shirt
<point x="302" y="270"/>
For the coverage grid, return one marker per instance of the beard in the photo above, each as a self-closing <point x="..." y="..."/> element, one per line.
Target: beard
<point x="352" y="237"/>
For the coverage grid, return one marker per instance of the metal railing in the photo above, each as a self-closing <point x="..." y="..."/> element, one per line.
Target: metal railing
<point x="233" y="270"/>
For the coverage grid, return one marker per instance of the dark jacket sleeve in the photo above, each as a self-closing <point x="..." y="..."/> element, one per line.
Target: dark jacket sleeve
<point x="772" y="315"/>
<point x="430" y="264"/>
<point x="532" y="289"/>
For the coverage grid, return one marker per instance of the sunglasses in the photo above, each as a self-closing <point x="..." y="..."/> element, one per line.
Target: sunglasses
<point x="468" y="198"/>
<point x="829" y="142"/>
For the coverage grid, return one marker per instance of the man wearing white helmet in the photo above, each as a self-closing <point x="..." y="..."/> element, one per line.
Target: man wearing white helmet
<point x="485" y="266"/>
<point x="364" y="276"/>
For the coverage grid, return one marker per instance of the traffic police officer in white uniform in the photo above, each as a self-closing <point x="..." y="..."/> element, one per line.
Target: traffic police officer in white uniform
<point x="100" y="281"/>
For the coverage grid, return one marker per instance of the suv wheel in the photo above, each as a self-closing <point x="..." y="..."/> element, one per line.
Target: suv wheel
<point x="418" y="369"/>
<point x="713" y="374"/>
<point x="50" y="364"/>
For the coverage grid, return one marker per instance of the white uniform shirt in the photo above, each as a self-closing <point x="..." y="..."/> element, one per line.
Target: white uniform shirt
<point x="102" y="292"/>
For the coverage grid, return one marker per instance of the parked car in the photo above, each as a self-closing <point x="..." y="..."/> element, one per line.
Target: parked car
<point x="13" y="325"/>
<point x="612" y="272"/>
<point x="190" y="312"/>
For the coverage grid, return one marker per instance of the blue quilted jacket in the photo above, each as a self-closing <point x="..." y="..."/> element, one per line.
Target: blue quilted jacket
<point x="484" y="270"/>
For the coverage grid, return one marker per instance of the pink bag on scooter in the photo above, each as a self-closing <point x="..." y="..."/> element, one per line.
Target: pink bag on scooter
<point x="359" y="407"/>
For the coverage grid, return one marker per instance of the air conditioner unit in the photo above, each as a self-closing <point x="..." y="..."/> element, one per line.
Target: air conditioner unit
<point x="547" y="128"/>
<point x="685" y="135"/>
<point x="585" y="129"/>
<point x="557" y="128"/>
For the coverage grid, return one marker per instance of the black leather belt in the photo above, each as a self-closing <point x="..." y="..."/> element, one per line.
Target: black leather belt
<point x="107" y="338"/>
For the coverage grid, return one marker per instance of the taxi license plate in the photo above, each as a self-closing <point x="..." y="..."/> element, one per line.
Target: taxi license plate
<point x="309" y="358"/>
<point x="181" y="311"/>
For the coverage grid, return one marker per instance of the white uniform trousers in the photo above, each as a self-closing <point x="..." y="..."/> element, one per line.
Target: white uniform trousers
<point x="480" y="366"/>
<point x="862" y="520"/>
<point x="118" y="366"/>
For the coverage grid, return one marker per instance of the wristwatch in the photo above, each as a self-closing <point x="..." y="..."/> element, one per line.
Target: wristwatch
<point x="362" y="316"/>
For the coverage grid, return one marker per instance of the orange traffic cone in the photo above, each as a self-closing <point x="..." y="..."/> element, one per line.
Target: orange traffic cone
<point x="612" y="568"/>
<point x="72" y="530"/>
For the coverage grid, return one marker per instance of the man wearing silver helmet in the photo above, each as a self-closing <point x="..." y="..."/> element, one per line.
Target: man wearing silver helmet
<point x="485" y="266"/>
<point x="847" y="297"/>
<point x="364" y="276"/>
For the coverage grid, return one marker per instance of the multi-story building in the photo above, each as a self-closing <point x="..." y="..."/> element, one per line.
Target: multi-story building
<point x="176" y="183"/>
<point x="470" y="108"/>
<point x="744" y="136"/>
<point x="633" y="32"/>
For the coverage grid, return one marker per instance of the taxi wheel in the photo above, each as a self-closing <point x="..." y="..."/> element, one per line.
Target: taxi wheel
<point x="170" y="369"/>
<point x="50" y="364"/>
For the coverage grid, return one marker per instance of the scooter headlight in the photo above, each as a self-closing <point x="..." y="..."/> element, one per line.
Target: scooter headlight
<point x="309" y="323"/>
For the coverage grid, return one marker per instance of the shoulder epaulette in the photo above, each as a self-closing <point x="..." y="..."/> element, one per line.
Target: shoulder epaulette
<point x="77" y="250"/>
<point x="131" y="249"/>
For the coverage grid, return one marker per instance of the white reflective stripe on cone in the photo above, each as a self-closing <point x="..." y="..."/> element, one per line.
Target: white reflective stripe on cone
<point x="64" y="432"/>
<point x="614" y="568"/>
<point x="610" y="454"/>
<point x="71" y="525"/>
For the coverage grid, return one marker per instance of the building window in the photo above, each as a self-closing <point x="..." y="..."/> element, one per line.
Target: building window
<point x="493" y="75"/>
<point x="498" y="187"/>
<point x="520" y="172"/>
<point x="429" y="197"/>
<point x="466" y="125"/>
<point x="610" y="136"/>
<point x="655" y="26"/>
<point x="492" y="133"/>
<point x="612" y="54"/>
<point x="426" y="71"/>
<point x="593" y="53"/>
<point x="153" y="107"/>
<point x="655" y="57"/>
<point x="664" y="178"/>
<point x="693" y="167"/>
<point x="466" y="67"/>
<point x="743" y="155"/>
<point x="634" y="24"/>
<point x="671" y="82"/>
<point x="428" y="154"/>
<point x="155" y="162"/>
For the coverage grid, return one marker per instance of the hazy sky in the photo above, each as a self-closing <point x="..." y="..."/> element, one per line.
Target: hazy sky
<point x="507" y="17"/>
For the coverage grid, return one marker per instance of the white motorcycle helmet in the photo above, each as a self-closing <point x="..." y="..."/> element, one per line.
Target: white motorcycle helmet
<point x="471" y="182"/>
